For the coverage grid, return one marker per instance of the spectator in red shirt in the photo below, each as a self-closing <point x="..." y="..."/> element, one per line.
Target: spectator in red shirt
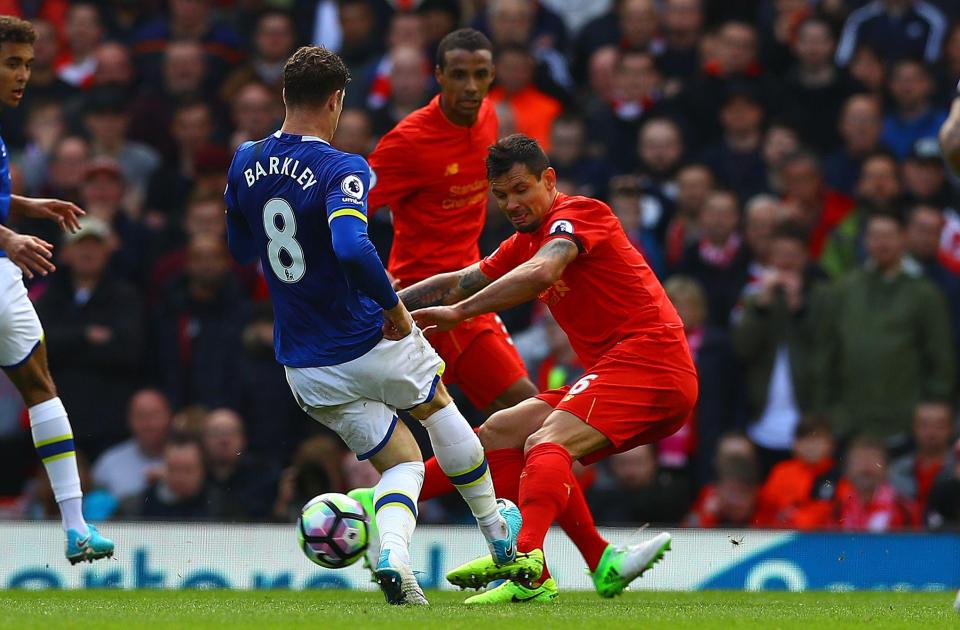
<point x="808" y="200"/>
<point x="864" y="499"/>
<point x="732" y="500"/>
<point x="793" y="483"/>
<point x="914" y="474"/>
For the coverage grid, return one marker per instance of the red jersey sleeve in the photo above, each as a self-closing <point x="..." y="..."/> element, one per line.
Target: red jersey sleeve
<point x="508" y="256"/>
<point x="586" y="222"/>
<point x="393" y="166"/>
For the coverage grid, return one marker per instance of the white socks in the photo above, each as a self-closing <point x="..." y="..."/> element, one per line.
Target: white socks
<point x="460" y="455"/>
<point x="395" y="504"/>
<point x="53" y="439"/>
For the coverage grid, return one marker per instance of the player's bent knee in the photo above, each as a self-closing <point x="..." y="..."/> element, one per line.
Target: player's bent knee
<point x="499" y="431"/>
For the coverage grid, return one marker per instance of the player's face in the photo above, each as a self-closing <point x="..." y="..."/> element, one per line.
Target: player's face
<point x="464" y="82"/>
<point x="523" y="197"/>
<point x="15" y="63"/>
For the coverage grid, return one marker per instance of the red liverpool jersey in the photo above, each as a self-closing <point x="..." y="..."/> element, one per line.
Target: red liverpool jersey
<point x="432" y="174"/>
<point x="608" y="293"/>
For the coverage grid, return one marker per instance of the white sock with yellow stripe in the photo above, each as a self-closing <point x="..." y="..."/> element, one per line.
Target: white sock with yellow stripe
<point x="395" y="503"/>
<point x="53" y="439"/>
<point x="460" y="455"/>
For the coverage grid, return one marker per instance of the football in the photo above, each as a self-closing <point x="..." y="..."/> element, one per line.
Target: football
<point x="333" y="530"/>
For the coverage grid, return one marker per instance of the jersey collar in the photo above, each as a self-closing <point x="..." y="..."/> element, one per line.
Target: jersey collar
<point x="294" y="138"/>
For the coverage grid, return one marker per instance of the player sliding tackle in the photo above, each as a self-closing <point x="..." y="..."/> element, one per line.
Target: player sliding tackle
<point x="351" y="351"/>
<point x="640" y="386"/>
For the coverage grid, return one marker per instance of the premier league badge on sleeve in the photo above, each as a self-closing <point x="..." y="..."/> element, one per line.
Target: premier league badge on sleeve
<point x="561" y="227"/>
<point x="352" y="186"/>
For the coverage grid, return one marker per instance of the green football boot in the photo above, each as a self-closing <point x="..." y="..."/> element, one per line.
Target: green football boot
<point x="511" y="592"/>
<point x="621" y="565"/>
<point x="364" y="496"/>
<point x="527" y="567"/>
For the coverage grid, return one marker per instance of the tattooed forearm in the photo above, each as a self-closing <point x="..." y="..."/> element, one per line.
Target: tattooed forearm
<point x="422" y="295"/>
<point x="471" y="281"/>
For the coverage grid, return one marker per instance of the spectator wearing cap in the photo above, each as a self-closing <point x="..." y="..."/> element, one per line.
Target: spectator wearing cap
<point x="84" y="32"/>
<point x="900" y="28"/>
<point x="773" y="340"/>
<point x="861" y="125"/>
<point x="814" y="90"/>
<point x="913" y="475"/>
<point x="863" y="500"/>
<point x="879" y="189"/>
<point x="127" y="468"/>
<point x="197" y="329"/>
<point x="615" y="125"/>
<point x="274" y="39"/>
<point x="736" y="160"/>
<point x="107" y="121"/>
<point x="883" y="340"/>
<point x="925" y="224"/>
<point x="924" y="176"/>
<point x="795" y="483"/>
<point x="94" y="335"/>
<point x="102" y="195"/>
<point x="533" y="110"/>
<point x="914" y="114"/>
<point x="809" y="202"/>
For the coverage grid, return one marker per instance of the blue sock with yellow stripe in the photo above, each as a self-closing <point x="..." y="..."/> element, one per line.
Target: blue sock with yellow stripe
<point x="53" y="439"/>
<point x="460" y="455"/>
<point x="395" y="504"/>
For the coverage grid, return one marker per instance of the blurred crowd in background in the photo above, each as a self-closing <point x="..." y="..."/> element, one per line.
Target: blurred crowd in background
<point x="776" y="161"/>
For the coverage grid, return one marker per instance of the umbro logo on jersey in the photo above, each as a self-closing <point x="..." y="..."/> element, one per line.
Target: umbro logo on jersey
<point x="561" y="227"/>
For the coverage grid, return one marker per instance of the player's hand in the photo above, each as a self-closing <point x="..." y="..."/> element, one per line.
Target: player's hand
<point x="397" y="322"/>
<point x="442" y="318"/>
<point x="63" y="213"/>
<point x="31" y="254"/>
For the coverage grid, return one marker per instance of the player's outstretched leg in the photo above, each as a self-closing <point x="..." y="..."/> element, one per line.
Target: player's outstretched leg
<point x="460" y="455"/>
<point x="53" y="440"/>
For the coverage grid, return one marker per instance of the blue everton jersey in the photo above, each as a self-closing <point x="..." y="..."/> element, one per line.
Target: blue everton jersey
<point x="4" y="187"/>
<point x="288" y="190"/>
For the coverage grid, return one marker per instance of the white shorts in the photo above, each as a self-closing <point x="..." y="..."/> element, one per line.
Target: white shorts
<point x="20" y="330"/>
<point x="359" y="399"/>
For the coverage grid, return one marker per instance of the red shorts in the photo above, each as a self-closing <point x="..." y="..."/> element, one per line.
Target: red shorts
<point x="480" y="358"/>
<point x="642" y="391"/>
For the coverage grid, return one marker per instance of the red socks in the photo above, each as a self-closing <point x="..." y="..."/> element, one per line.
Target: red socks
<point x="545" y="487"/>
<point x="435" y="481"/>
<point x="577" y="523"/>
<point x="506" y="464"/>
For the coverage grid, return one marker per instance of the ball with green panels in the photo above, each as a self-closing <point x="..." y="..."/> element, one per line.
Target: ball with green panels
<point x="333" y="530"/>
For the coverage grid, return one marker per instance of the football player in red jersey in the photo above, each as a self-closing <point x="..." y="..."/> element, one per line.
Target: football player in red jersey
<point x="430" y="171"/>
<point x="572" y="254"/>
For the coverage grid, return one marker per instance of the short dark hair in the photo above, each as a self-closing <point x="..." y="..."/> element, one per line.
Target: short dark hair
<point x="790" y="230"/>
<point x="16" y="31"/>
<point x="312" y="74"/>
<point x="890" y="215"/>
<point x="468" y="39"/>
<point x="516" y="149"/>
<point x="812" y="426"/>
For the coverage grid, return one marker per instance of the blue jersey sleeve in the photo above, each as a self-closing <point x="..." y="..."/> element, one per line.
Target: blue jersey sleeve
<point x="346" y="199"/>
<point x="240" y="238"/>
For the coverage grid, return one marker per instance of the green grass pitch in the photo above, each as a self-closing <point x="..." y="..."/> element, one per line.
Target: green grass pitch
<point x="366" y="610"/>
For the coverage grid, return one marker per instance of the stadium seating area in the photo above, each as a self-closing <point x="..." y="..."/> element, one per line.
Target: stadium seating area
<point x="776" y="161"/>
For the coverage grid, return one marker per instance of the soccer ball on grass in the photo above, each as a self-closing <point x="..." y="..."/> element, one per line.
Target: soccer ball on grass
<point x="333" y="530"/>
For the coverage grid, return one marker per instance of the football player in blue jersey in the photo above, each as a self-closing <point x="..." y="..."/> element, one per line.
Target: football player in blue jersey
<point x="23" y="354"/>
<point x="351" y="351"/>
